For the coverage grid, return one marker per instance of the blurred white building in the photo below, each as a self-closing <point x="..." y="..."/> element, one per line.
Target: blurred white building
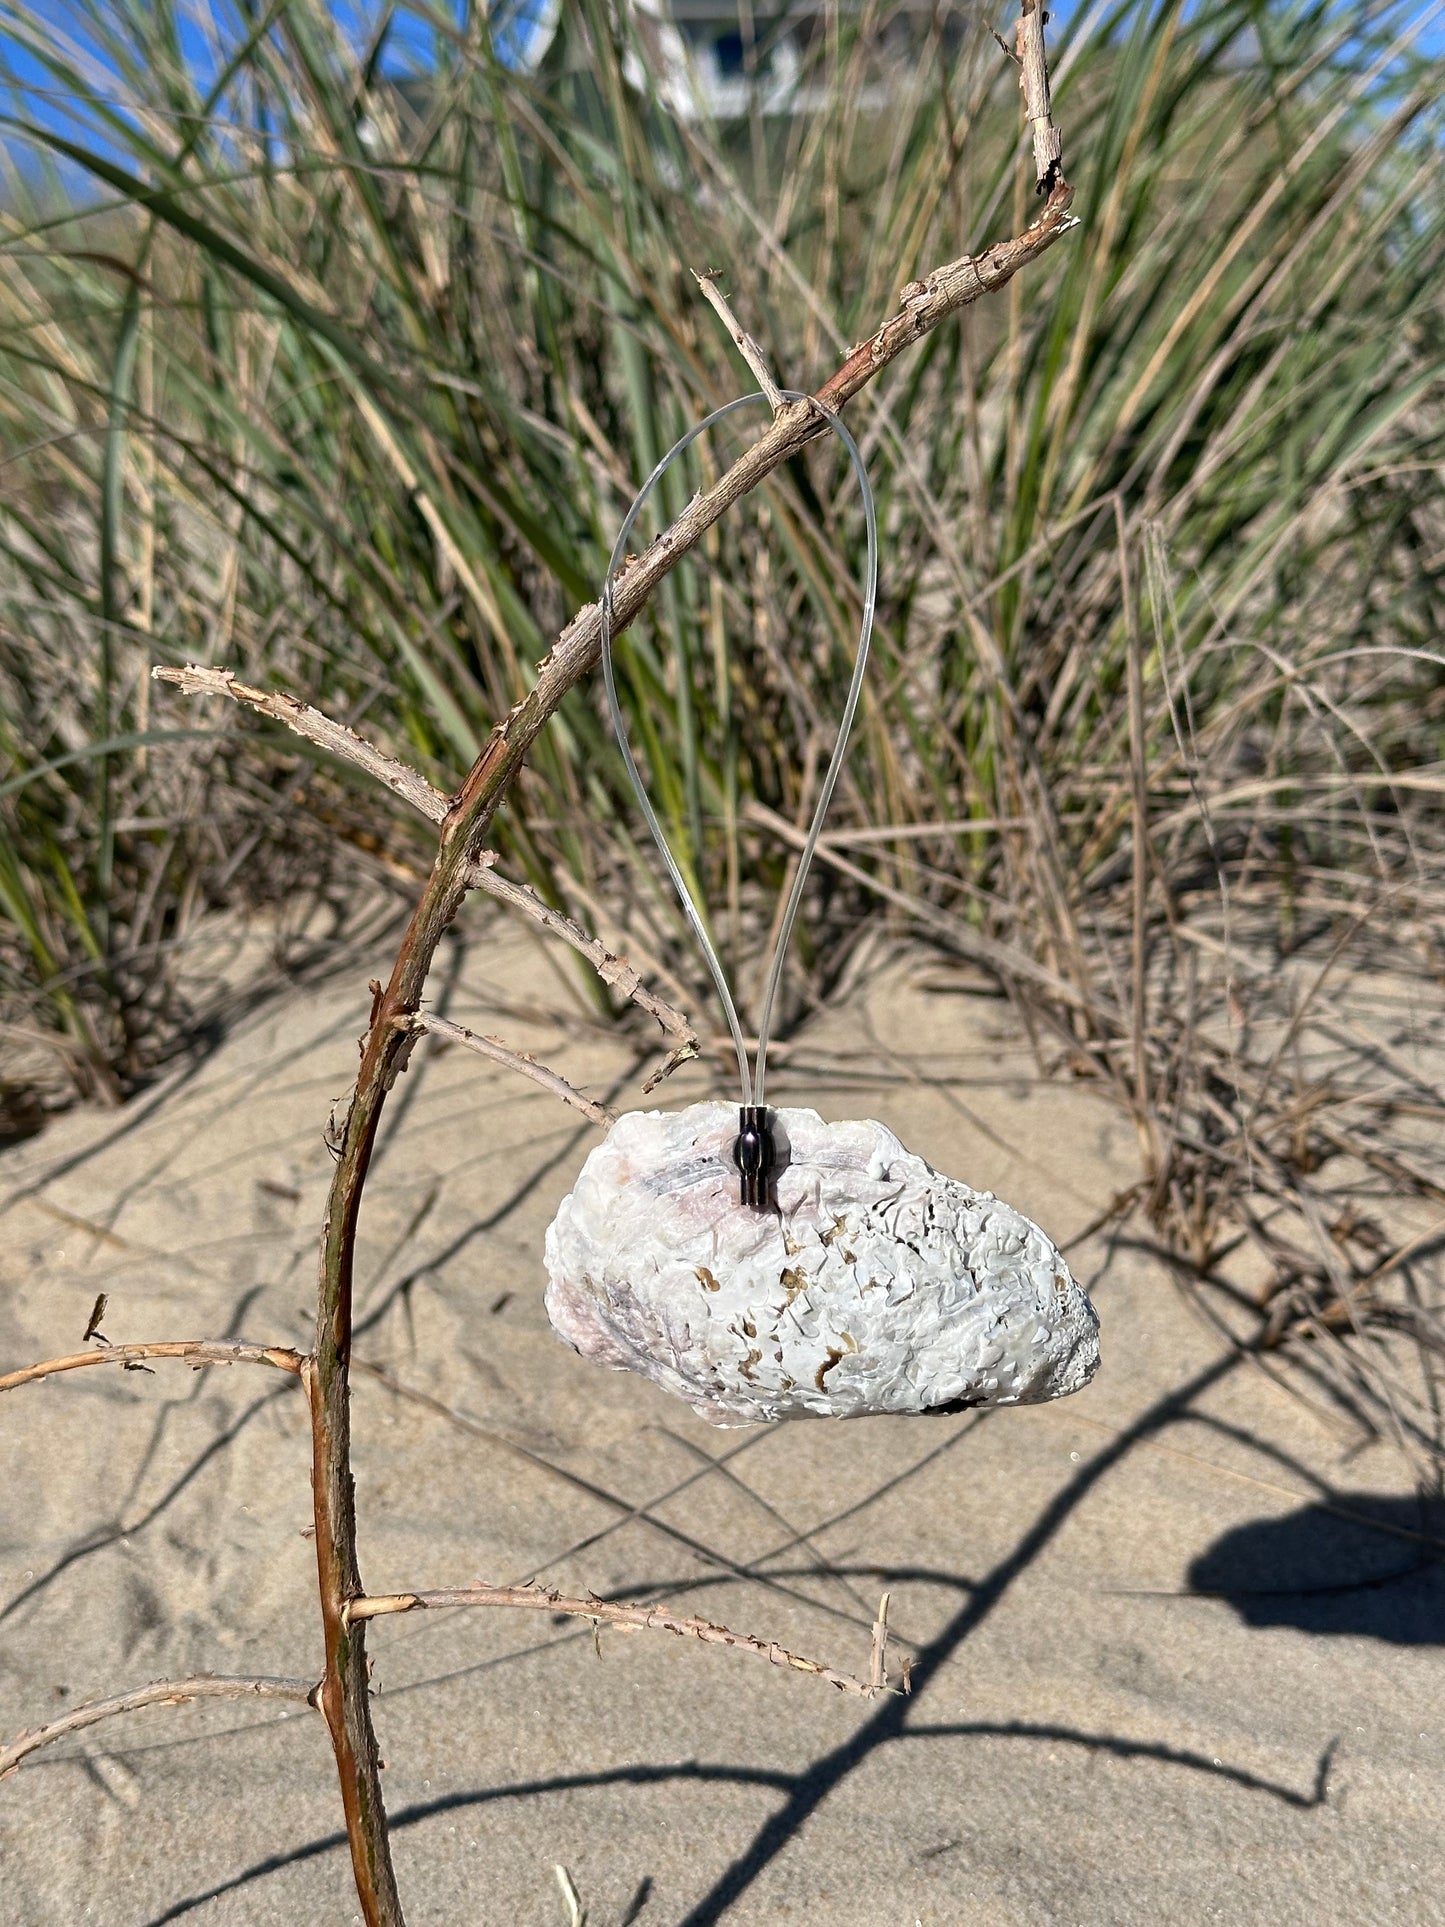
<point x="723" y="58"/>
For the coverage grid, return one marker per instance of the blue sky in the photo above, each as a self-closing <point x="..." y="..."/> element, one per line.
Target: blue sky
<point x="35" y="94"/>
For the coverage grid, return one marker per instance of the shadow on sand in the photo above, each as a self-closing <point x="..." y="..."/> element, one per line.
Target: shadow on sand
<point x="1355" y="1563"/>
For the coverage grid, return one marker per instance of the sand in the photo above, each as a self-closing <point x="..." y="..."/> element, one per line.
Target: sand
<point x="1167" y="1670"/>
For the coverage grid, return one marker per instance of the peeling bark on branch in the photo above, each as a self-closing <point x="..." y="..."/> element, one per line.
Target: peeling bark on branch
<point x="1034" y="81"/>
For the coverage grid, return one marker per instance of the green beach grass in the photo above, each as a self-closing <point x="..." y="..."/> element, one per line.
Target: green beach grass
<point x="344" y="380"/>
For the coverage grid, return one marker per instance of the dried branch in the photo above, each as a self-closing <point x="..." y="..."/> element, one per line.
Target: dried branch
<point x="607" y="1612"/>
<point x="200" y="1351"/>
<point x="321" y="729"/>
<point x="520" y="1061"/>
<point x="924" y="304"/>
<point x="336" y="738"/>
<point x="344" y="1692"/>
<point x="344" y="1695"/>
<point x="1034" y="80"/>
<point x="616" y="972"/>
<point x="751" y="353"/>
<point x="161" y="1692"/>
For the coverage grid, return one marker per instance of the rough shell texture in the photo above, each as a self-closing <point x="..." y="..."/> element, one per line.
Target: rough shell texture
<point x="876" y="1286"/>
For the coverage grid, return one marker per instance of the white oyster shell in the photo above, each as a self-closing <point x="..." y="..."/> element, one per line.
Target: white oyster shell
<point x="877" y="1286"/>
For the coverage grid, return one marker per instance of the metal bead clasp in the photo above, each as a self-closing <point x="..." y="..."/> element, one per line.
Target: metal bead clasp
<point x="755" y="1154"/>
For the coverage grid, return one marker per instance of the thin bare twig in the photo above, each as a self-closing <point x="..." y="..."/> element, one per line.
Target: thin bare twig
<point x="607" y="1612"/>
<point x="626" y="1513"/>
<point x="616" y="972"/>
<point x="399" y="777"/>
<point x="522" y="1062"/>
<point x="161" y="1692"/>
<point x="200" y="1351"/>
<point x="751" y="353"/>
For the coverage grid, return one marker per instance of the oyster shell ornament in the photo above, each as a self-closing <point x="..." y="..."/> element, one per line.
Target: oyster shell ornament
<point x="874" y="1285"/>
<point x="764" y="1264"/>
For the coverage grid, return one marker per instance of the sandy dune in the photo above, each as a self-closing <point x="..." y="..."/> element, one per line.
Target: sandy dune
<point x="1087" y="1743"/>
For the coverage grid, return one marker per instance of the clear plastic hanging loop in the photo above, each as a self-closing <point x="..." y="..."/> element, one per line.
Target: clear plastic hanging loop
<point x="753" y="1090"/>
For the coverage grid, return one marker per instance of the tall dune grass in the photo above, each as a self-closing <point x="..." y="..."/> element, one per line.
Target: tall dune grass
<point x="343" y="378"/>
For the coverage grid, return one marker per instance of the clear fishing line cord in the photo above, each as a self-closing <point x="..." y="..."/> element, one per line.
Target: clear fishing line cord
<point x="754" y="1089"/>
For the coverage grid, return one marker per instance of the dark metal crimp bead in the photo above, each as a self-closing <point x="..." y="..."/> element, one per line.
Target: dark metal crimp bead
<point x="754" y="1154"/>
